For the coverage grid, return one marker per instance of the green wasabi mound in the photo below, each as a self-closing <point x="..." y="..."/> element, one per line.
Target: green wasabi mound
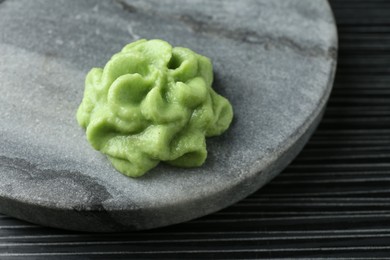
<point x="150" y="103"/>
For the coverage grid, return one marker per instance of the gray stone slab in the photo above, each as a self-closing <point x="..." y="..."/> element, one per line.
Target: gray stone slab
<point x="274" y="60"/>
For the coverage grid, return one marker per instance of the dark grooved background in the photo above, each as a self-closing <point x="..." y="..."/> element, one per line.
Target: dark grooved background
<point x="332" y="202"/>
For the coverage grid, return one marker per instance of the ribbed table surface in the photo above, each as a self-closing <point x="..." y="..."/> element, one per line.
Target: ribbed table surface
<point x="332" y="202"/>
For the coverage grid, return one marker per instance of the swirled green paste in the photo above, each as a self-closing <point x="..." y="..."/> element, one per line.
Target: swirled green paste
<point x="150" y="103"/>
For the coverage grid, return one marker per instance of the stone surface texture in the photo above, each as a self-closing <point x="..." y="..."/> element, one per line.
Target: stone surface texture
<point x="274" y="60"/>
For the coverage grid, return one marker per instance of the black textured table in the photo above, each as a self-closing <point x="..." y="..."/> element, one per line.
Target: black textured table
<point x="332" y="202"/>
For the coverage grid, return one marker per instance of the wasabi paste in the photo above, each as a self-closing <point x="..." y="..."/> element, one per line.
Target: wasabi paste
<point x="150" y="103"/>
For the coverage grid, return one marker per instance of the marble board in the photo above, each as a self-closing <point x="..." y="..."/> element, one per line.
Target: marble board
<point x="274" y="60"/>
